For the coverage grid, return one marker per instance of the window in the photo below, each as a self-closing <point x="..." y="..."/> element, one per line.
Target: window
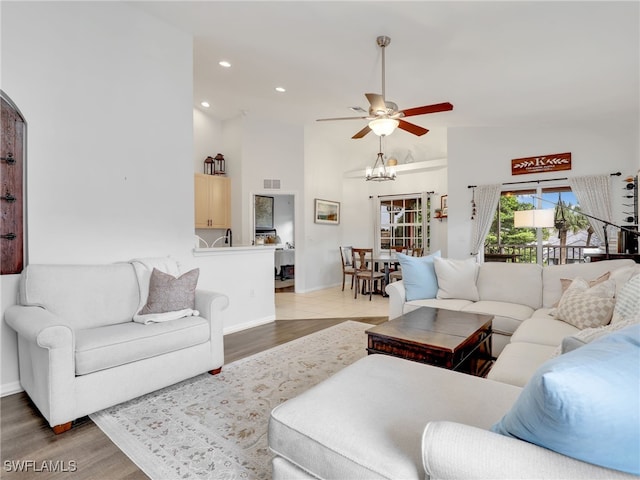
<point x="404" y="221"/>
<point x="562" y="243"/>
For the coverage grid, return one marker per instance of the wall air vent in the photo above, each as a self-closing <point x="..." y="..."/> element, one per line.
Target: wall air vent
<point x="271" y="183"/>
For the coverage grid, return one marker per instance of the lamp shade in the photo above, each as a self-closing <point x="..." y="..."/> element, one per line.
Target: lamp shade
<point x="533" y="218"/>
<point x="383" y="126"/>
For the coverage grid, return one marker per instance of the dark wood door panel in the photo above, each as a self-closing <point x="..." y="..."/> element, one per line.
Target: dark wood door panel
<point x="12" y="137"/>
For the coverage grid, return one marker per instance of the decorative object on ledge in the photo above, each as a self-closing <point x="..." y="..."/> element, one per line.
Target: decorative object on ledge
<point x="209" y="165"/>
<point x="326" y="211"/>
<point x="219" y="166"/>
<point x="541" y="164"/>
<point x="443" y="205"/>
<point x="379" y="172"/>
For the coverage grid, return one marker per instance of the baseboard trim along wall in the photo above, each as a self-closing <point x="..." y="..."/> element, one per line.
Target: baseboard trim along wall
<point x="10" y="388"/>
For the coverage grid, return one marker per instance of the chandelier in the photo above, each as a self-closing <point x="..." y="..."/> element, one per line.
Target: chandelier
<point x="379" y="172"/>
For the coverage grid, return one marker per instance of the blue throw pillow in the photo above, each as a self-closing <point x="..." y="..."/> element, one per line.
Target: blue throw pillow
<point x="585" y="404"/>
<point x="419" y="276"/>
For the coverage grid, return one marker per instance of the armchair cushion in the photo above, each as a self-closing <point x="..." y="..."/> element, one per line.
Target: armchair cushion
<point x="113" y="345"/>
<point x="568" y="405"/>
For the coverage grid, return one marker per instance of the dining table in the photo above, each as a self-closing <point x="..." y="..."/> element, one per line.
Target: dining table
<point x="382" y="262"/>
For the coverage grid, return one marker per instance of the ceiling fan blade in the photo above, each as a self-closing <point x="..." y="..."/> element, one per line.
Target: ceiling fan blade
<point x="412" y="128"/>
<point x="340" y="118"/>
<point x="362" y="132"/>
<point x="377" y="102"/>
<point x="436" y="107"/>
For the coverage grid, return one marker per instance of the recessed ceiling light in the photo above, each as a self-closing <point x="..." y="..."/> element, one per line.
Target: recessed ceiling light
<point x="224" y="64"/>
<point x="205" y="104"/>
<point x="280" y="89"/>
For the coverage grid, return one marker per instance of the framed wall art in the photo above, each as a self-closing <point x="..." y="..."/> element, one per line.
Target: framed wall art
<point x="326" y="211"/>
<point x="263" y="211"/>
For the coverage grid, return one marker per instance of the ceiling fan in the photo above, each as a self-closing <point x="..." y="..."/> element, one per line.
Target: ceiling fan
<point x="384" y="116"/>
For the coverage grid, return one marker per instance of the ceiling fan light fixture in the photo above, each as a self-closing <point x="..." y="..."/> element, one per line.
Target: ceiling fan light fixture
<point x="383" y="126"/>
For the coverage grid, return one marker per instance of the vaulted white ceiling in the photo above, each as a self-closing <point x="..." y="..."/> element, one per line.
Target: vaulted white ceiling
<point x="499" y="63"/>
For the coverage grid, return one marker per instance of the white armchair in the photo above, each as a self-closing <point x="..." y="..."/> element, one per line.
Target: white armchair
<point x="80" y="352"/>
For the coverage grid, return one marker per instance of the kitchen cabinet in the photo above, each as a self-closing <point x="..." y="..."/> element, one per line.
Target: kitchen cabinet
<point x="212" y="201"/>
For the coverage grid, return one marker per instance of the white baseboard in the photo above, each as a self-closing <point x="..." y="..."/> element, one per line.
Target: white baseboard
<point x="10" y="388"/>
<point x="245" y="326"/>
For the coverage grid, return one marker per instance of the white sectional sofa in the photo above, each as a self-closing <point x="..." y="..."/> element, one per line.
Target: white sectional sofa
<point x="389" y="418"/>
<point x="512" y="292"/>
<point x="80" y="350"/>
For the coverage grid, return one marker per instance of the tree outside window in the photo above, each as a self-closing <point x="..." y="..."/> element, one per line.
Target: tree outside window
<point x="564" y="243"/>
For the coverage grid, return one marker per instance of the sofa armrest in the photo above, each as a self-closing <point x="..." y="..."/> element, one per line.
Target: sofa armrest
<point x="47" y="363"/>
<point x="397" y="297"/>
<point x="210" y="305"/>
<point x="38" y="325"/>
<point x="454" y="450"/>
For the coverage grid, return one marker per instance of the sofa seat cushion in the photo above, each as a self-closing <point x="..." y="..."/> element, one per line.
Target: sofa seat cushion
<point x="445" y="303"/>
<point x="519" y="361"/>
<point x="507" y="316"/>
<point x="106" y="347"/>
<point x="367" y="420"/>
<point x="543" y="331"/>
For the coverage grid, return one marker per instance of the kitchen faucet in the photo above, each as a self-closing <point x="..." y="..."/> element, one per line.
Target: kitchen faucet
<point x="228" y="237"/>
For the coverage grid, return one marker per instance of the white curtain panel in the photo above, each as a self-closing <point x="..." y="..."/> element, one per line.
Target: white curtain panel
<point x="594" y="196"/>
<point x="487" y="197"/>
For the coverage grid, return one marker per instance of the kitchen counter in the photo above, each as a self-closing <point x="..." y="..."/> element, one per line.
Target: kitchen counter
<point x="241" y="249"/>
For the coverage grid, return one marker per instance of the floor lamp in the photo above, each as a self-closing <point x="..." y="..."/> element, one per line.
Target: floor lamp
<point x="536" y="218"/>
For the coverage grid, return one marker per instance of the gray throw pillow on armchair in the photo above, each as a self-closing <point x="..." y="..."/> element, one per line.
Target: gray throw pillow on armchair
<point x="169" y="294"/>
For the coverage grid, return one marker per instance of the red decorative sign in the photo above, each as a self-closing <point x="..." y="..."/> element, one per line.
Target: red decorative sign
<point x="541" y="164"/>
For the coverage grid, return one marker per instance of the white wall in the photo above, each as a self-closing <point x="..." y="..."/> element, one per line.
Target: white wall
<point x="480" y="156"/>
<point x="284" y="217"/>
<point x="107" y="94"/>
<point x="207" y="138"/>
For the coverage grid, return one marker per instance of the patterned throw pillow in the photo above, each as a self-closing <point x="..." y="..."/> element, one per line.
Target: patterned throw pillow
<point x="565" y="282"/>
<point x="170" y="294"/>
<point x="584" y="307"/>
<point x="588" y="335"/>
<point x="628" y="301"/>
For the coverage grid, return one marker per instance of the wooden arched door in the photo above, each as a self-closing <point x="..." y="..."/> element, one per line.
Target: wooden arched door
<point x="12" y="185"/>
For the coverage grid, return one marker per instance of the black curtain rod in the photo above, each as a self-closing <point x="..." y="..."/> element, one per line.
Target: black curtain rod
<point x="616" y="174"/>
<point x="403" y="194"/>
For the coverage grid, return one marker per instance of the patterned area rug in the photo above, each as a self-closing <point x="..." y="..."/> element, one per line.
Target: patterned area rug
<point x="216" y="426"/>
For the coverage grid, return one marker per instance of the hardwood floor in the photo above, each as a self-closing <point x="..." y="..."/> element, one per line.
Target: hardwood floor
<point x="84" y="452"/>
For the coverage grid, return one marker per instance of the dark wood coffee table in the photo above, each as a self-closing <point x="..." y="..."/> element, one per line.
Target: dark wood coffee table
<point x="455" y="340"/>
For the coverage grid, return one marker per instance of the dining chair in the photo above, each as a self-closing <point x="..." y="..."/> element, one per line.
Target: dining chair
<point x="395" y="266"/>
<point x="363" y="264"/>
<point x="346" y="255"/>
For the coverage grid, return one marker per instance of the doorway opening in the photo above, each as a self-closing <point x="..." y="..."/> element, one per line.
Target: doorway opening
<point x="274" y="223"/>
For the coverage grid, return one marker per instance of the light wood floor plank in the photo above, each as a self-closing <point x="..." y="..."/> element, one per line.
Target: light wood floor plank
<point x="27" y="436"/>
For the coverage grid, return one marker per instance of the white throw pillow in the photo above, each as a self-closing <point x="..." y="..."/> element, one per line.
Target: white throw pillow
<point x="587" y="307"/>
<point x="457" y="278"/>
<point x="627" y="301"/>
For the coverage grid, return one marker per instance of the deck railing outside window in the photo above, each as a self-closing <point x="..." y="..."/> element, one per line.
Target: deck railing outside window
<point x="551" y="254"/>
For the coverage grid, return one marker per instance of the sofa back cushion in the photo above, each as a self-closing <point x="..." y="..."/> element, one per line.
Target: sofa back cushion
<point x="552" y="275"/>
<point x="511" y="282"/>
<point x="83" y="296"/>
